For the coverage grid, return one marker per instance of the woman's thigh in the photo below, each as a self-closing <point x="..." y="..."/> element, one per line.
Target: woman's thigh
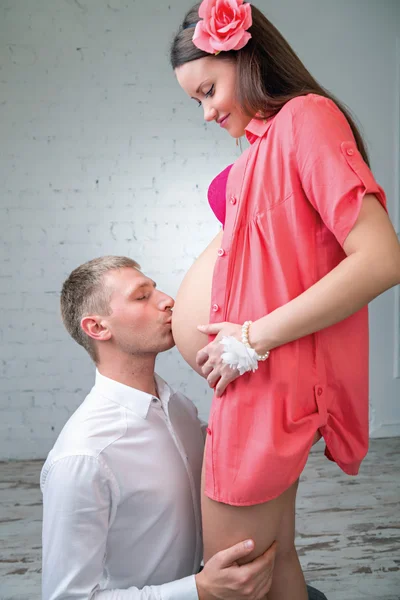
<point x="225" y="525"/>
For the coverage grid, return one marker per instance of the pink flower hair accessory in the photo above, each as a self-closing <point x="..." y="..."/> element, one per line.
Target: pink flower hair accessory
<point x="223" y="25"/>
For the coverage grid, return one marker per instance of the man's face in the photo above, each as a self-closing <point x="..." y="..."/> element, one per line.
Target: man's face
<point x="140" y="319"/>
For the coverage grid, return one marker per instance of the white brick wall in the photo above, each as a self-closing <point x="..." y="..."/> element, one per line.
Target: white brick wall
<point x="102" y="153"/>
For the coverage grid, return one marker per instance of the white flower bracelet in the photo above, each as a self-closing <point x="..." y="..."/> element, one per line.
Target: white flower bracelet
<point x="240" y="355"/>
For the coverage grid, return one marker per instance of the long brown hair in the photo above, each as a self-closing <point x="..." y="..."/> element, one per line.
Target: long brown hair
<point x="269" y="72"/>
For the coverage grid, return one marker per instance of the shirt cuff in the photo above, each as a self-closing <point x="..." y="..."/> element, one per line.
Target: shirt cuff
<point x="181" y="589"/>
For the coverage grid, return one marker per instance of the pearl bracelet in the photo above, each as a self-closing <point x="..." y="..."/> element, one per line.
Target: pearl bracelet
<point x="245" y="341"/>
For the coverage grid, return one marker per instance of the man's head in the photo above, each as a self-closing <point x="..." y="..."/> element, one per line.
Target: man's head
<point x="109" y="306"/>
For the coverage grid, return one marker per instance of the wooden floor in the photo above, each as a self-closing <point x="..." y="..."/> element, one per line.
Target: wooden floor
<point x="348" y="528"/>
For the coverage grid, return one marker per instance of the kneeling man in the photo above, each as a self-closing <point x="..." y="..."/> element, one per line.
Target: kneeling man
<point x="121" y="487"/>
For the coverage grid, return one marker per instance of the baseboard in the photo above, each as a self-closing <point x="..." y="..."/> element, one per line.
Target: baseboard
<point x="385" y="430"/>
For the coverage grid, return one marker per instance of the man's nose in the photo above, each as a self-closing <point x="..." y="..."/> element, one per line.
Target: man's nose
<point x="167" y="303"/>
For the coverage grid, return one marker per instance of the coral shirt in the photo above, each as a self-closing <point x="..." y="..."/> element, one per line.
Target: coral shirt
<point x="291" y="199"/>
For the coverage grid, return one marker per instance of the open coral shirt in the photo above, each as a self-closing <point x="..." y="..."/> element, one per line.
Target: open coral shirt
<point x="291" y="199"/>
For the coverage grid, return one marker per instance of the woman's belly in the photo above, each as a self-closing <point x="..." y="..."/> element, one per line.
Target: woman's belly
<point x="192" y="304"/>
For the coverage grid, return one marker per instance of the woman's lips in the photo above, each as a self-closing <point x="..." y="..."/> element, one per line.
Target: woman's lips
<point x="222" y="122"/>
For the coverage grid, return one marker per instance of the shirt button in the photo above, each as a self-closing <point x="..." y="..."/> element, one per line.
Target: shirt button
<point x="319" y="391"/>
<point x="232" y="200"/>
<point x="154" y="400"/>
<point x="221" y="252"/>
<point x="350" y="151"/>
<point x="215" y="307"/>
<point x="208" y="431"/>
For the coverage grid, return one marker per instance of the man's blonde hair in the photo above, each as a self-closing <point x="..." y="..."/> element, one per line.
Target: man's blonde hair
<point x="85" y="293"/>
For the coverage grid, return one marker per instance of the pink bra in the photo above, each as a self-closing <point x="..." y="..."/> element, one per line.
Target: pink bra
<point x="217" y="194"/>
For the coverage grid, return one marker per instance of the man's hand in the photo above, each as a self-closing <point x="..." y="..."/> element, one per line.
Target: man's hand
<point x="223" y="579"/>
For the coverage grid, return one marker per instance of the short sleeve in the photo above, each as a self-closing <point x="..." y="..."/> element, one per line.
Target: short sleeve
<point x="333" y="173"/>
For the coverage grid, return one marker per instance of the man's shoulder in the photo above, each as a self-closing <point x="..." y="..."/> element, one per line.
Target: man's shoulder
<point x="91" y="428"/>
<point x="82" y="474"/>
<point x="78" y="454"/>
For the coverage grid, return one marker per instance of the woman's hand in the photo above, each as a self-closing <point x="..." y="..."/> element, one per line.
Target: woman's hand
<point x="209" y="358"/>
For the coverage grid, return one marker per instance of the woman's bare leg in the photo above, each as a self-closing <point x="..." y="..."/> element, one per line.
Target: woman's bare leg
<point x="225" y="525"/>
<point x="287" y="571"/>
<point x="287" y="555"/>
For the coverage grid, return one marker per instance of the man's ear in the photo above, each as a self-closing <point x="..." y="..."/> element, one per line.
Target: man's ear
<point x="94" y="327"/>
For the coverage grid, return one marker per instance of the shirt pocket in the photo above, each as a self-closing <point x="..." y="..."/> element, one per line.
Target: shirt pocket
<point x="271" y="185"/>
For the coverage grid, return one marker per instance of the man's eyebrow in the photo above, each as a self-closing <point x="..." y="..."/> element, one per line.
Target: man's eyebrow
<point x="144" y="284"/>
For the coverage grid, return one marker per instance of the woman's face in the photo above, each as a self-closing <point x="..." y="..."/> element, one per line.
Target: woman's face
<point x="211" y="82"/>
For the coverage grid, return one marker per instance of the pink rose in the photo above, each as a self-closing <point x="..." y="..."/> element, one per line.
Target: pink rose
<point x="223" y="26"/>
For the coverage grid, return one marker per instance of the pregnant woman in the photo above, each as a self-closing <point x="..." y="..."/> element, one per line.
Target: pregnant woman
<point x="306" y="245"/>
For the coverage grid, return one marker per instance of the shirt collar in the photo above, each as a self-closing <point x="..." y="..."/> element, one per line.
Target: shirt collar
<point x="136" y="400"/>
<point x="257" y="128"/>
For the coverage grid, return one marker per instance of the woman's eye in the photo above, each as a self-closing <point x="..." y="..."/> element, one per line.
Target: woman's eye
<point x="142" y="298"/>
<point x="210" y="91"/>
<point x="206" y="95"/>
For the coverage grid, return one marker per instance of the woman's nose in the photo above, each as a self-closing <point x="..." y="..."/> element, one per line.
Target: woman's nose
<point x="209" y="113"/>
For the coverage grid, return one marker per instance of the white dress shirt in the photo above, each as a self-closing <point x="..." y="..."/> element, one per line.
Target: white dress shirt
<point x="121" y="498"/>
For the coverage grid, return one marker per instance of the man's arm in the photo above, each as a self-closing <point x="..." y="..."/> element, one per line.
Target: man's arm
<point x="79" y="500"/>
<point x="78" y="503"/>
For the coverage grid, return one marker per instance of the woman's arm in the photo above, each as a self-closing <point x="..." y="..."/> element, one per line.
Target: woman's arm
<point x="371" y="267"/>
